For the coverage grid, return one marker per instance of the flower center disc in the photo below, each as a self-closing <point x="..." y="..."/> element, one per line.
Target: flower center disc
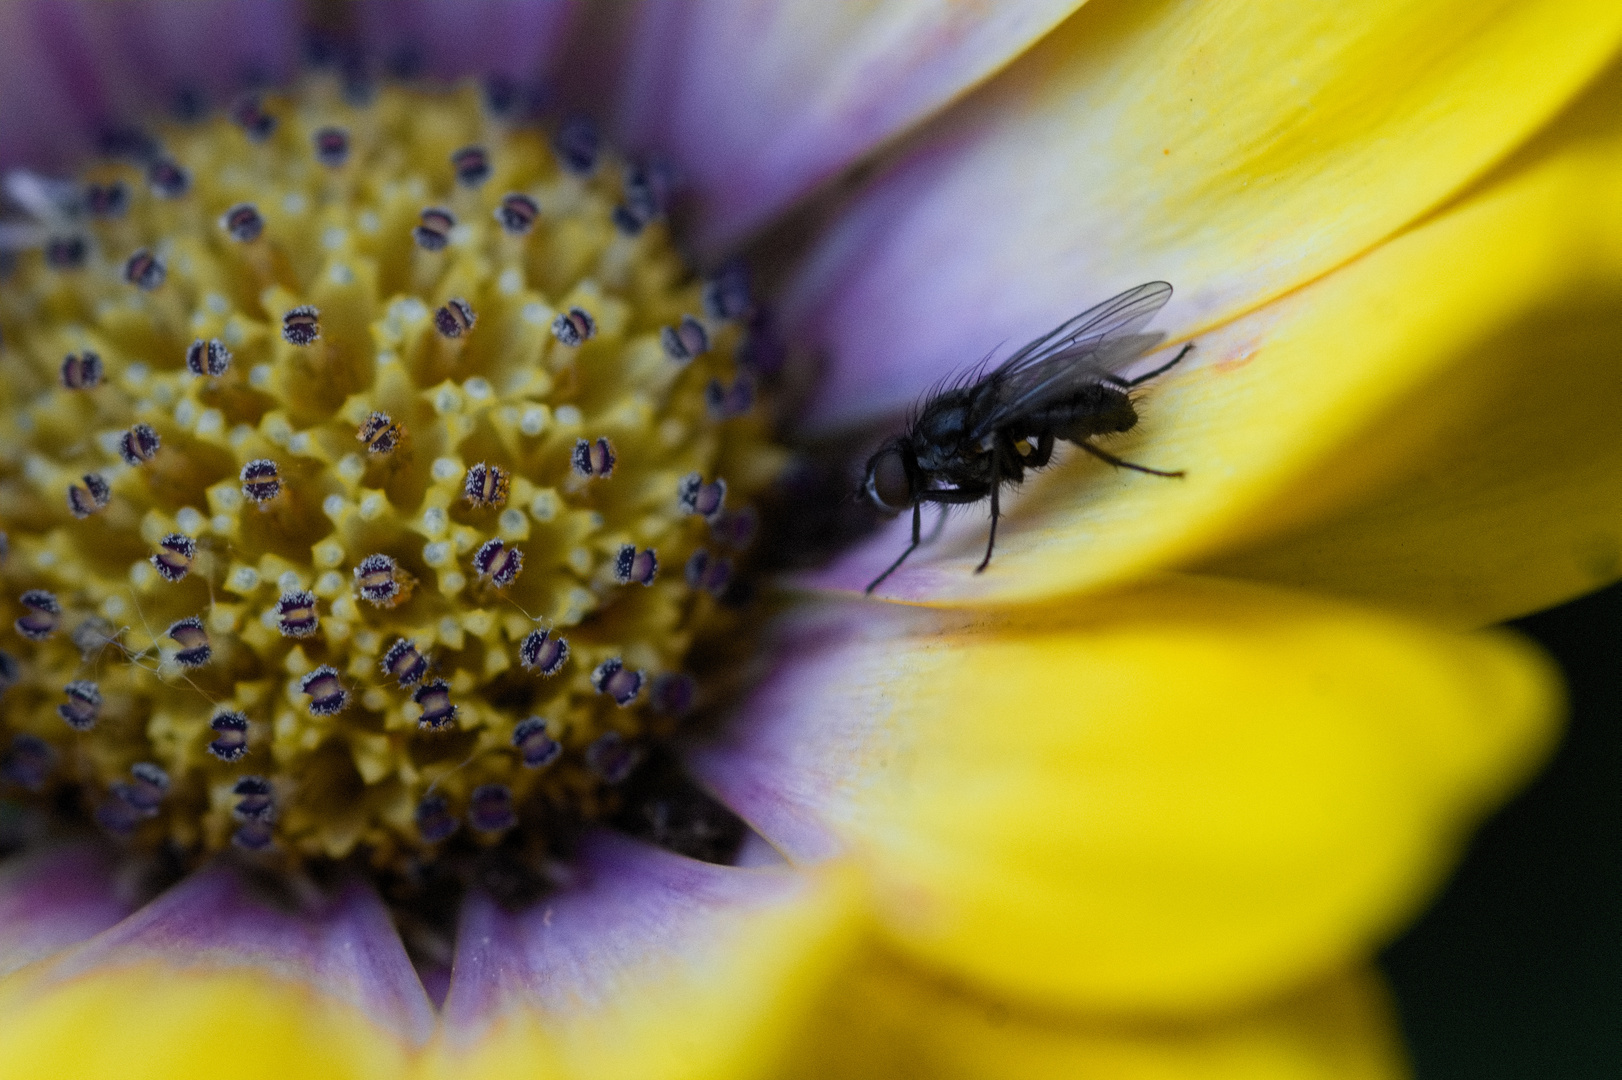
<point x="361" y="471"/>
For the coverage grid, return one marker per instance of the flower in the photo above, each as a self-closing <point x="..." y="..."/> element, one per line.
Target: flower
<point x="1140" y="799"/>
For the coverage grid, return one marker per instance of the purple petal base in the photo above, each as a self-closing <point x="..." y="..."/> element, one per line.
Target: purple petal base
<point x="55" y="898"/>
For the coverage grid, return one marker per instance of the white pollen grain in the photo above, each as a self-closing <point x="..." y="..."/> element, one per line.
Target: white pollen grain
<point x="259" y="377"/>
<point x="568" y="416"/>
<point x="334" y="506"/>
<point x="534" y="420"/>
<point x="189" y="520"/>
<point x="447" y="469"/>
<point x="372" y="506"/>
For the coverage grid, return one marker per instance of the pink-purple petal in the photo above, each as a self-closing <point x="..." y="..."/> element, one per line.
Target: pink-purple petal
<point x="759" y="102"/>
<point x="343" y="945"/>
<point x="54" y="898"/>
<point x="520" y="39"/>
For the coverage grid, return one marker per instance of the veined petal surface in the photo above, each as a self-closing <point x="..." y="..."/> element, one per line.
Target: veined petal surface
<point x="1235" y="149"/>
<point x="758" y="101"/>
<point x="214" y="978"/>
<point x="1174" y="798"/>
<point x="650" y="966"/>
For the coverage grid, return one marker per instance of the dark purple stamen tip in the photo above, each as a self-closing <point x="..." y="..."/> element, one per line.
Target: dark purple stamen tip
<point x="434" y="821"/>
<point x="498" y="562"/>
<point x="694" y="496"/>
<point x="253" y="836"/>
<point x="725" y="402"/>
<point x="541" y="652"/>
<point x="261" y="481"/>
<point x="437" y="710"/>
<point x="633" y="565"/>
<point x="736" y="528"/>
<point x="594" y="458"/>
<point x="380" y="434"/>
<point x="327" y="694"/>
<point x="301" y="326"/>
<point x="682" y="343"/>
<point x="472" y="165"/>
<point x="66" y="252"/>
<point x="82" y="371"/>
<point x="673" y="693"/>
<point x="517" y="213"/>
<point x="331" y="146"/>
<point x="726" y="292"/>
<point x="611" y="757"/>
<point x="455" y="318"/>
<point x="147" y="787"/>
<point x="138" y="445"/>
<point x="107" y="200"/>
<point x="404" y="662"/>
<point x="249" y="115"/>
<point x="27" y="762"/>
<point x="10" y="671"/>
<point x="83" y="705"/>
<point x="243" y="223"/>
<point x="574" y="327"/>
<point x="619" y="682"/>
<point x="537" y="748"/>
<point x="708" y="572"/>
<point x="486" y="485"/>
<point x="296" y="615"/>
<point x="231" y="736"/>
<point x="167" y="179"/>
<point x="192" y="638"/>
<point x="256" y="806"/>
<point x="435" y="230"/>
<point x="145" y="271"/>
<point x="91" y="498"/>
<point x="375" y="580"/>
<point x="490" y="808"/>
<point x="174" y="556"/>
<point x="43" y="616"/>
<point x="647" y="187"/>
<point x="210" y="358"/>
<point x="577" y="145"/>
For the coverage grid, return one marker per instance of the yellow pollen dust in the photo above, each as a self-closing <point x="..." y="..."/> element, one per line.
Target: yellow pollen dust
<point x="360" y="486"/>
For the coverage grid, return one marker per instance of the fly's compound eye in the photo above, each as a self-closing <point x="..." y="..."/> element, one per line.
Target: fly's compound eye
<point x="887" y="483"/>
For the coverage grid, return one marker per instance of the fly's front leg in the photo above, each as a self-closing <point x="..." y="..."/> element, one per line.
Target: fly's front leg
<point x="917" y="530"/>
<point x="996" y="486"/>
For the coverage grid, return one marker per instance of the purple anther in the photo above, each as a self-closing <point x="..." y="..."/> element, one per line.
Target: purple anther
<point x="762" y="350"/>
<point x="331" y="146"/>
<point x="577" y="145"/>
<point x="404" y="663"/>
<point x="144" y="270"/>
<point x="253" y="836"/>
<point x="192" y="637"/>
<point x="498" y="562"/>
<point x="711" y="573"/>
<point x="736" y="528"/>
<point x="107" y="200"/>
<point x="83" y="704"/>
<point x="490" y="808"/>
<point x="472" y="165"/>
<point x="535" y="746"/>
<point x="594" y="458"/>
<point x="230" y="735"/>
<point x="261" y="481"/>
<point x="435" y="230"/>
<point x="138" y="445"/>
<point x="633" y="565"/>
<point x="682" y="343"/>
<point x="647" y="186"/>
<point x="81" y="371"/>
<point x="501" y="93"/>
<point x="249" y="114"/>
<point x="725" y="401"/>
<point x="327" y="694"/>
<point x="296" y="615"/>
<point x="243" y="223"/>
<point x="612" y="757"/>
<point x="438" y="712"/>
<point x="167" y="179"/>
<point x="619" y="682"/>
<point x="66" y="252"/>
<point x="434" y="821"/>
<point x="27" y="762"/>
<point x="517" y="213"/>
<point x="301" y="326"/>
<point x="574" y="327"/>
<point x="10" y="671"/>
<point x="116" y="815"/>
<point x="486" y="485"/>
<point x="122" y="141"/>
<point x="673" y="693"/>
<point x="540" y="651"/>
<point x="377" y="580"/>
<point x="380" y="434"/>
<point x="455" y="318"/>
<point x="694" y="496"/>
<point x="726" y="292"/>
<point x="256" y="801"/>
<point x="91" y="498"/>
<point x="43" y="616"/>
<point x="147" y="787"/>
<point x="210" y="358"/>
<point x="174" y="557"/>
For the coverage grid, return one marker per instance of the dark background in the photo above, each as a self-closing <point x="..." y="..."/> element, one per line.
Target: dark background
<point x="1516" y="971"/>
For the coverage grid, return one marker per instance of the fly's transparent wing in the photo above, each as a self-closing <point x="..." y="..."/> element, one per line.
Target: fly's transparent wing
<point x="1084" y="350"/>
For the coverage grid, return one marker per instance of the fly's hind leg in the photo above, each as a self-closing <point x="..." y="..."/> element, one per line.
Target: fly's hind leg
<point x="1163" y="368"/>
<point x="996" y="486"/>
<point x="1104" y="455"/>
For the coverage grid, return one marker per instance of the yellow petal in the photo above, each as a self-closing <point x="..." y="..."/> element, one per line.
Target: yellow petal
<point x="885" y="1020"/>
<point x="1437" y="416"/>
<point x="1170" y="799"/>
<point x="1234" y="148"/>
<point x="651" y="966"/>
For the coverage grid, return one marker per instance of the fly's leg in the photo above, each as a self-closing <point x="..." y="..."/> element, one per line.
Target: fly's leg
<point x="1043" y="450"/>
<point x="1103" y="455"/>
<point x="1163" y="368"/>
<point x="996" y="486"/>
<point x="917" y="529"/>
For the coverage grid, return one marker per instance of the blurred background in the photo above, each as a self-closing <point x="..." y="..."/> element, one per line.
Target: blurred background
<point x="1516" y="972"/>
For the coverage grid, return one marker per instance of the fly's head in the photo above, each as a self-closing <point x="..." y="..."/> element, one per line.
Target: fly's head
<point x="888" y="483"/>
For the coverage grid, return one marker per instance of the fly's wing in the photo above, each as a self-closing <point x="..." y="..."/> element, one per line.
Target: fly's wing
<point x="1086" y="349"/>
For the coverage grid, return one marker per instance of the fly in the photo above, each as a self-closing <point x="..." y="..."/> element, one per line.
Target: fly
<point x="964" y="443"/>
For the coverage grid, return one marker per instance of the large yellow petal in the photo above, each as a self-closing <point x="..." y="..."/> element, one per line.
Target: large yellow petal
<point x="1234" y="148"/>
<point x="1169" y="799"/>
<point x="1438" y="416"/>
<point x="886" y="1021"/>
